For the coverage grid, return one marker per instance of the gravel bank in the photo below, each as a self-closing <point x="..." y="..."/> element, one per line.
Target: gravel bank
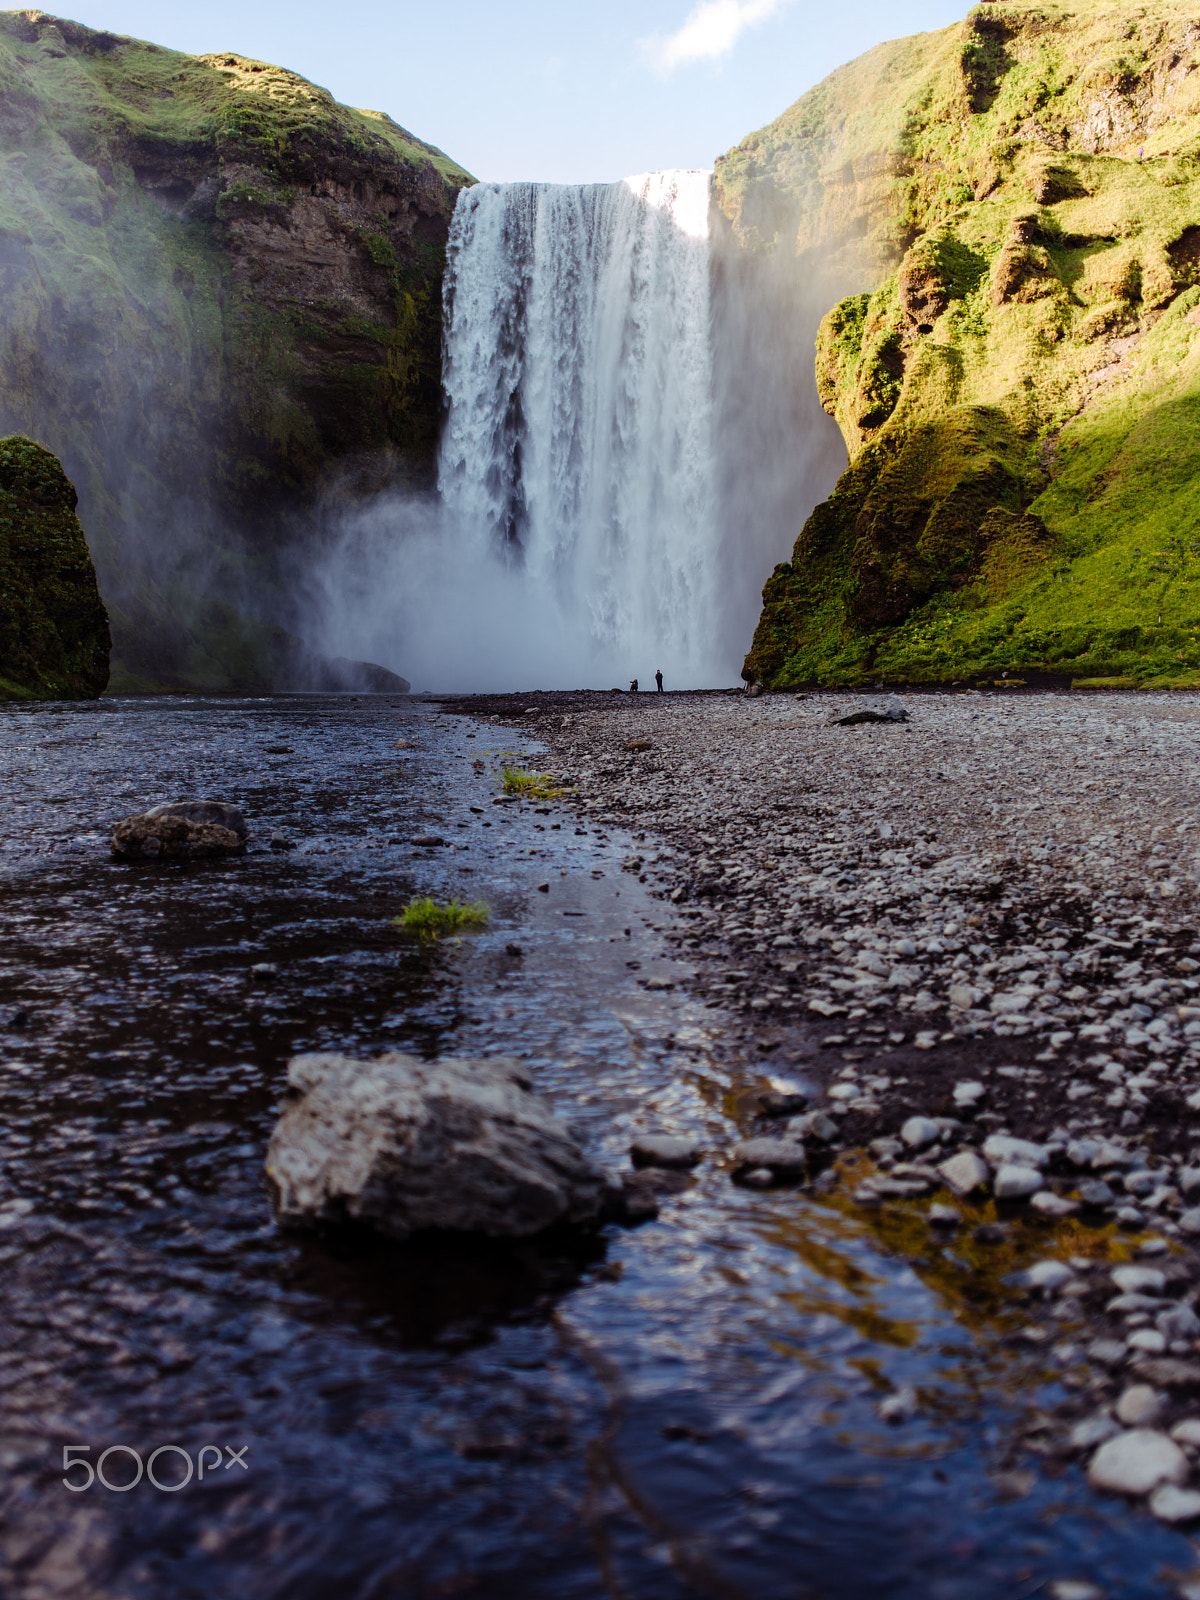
<point x="973" y="933"/>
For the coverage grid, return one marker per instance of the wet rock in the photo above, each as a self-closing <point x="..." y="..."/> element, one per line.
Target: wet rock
<point x="215" y="813"/>
<point x="1130" y="1218"/>
<point x="778" y="1103"/>
<point x="1169" y="1372"/>
<point x="632" y="1202"/>
<point x="945" y="1217"/>
<point x="1016" y="1183"/>
<point x="782" y="1158"/>
<point x="1106" y="1352"/>
<point x="991" y="1233"/>
<point x="173" y="837"/>
<point x="1187" y="1431"/>
<point x="662" y="1150"/>
<point x="1140" y="1406"/>
<point x="280" y="841"/>
<point x="1188" y="1182"/>
<point x="758" y="1178"/>
<point x="1189" y="1222"/>
<point x="917" y="1132"/>
<point x="964" y="1173"/>
<point x="815" y="1125"/>
<point x="900" y="1407"/>
<point x="1074" y="1589"/>
<point x="1097" y="1195"/>
<point x="1047" y="1275"/>
<point x="1174" y="1505"/>
<point x="1137" y="1463"/>
<point x="1181" y="1322"/>
<point x="408" y="1145"/>
<point x="1147" y="1340"/>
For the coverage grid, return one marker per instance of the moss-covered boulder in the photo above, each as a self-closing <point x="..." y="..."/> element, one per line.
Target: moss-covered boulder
<point x="54" y="639"/>
<point x="220" y="299"/>
<point x="1013" y="206"/>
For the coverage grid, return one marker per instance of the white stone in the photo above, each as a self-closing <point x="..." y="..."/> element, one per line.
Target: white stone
<point x="1137" y="1462"/>
<point x="1001" y="1148"/>
<point x="1139" y="1280"/>
<point x="1016" y="1183"/>
<point x="1053" y="1205"/>
<point x="1187" y="1431"/>
<point x="966" y="1094"/>
<point x="664" y="1150"/>
<point x="1048" y="1275"/>
<point x="779" y="1156"/>
<point x="1074" y="1589"/>
<point x="964" y="1173"/>
<point x="1140" y="1406"/>
<point x="1147" y="1340"/>
<point x="917" y="1132"/>
<point x="1170" y="1504"/>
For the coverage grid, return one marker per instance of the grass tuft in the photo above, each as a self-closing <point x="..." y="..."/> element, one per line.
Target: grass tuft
<point x="534" y="785"/>
<point x="424" y="918"/>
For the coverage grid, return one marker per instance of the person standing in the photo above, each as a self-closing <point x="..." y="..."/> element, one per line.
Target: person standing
<point x="633" y="688"/>
<point x="658" y="681"/>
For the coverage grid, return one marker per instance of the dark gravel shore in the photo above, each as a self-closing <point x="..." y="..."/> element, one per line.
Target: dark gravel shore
<point x="974" y="933"/>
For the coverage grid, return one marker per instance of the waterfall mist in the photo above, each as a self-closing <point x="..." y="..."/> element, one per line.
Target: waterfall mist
<point x="632" y="441"/>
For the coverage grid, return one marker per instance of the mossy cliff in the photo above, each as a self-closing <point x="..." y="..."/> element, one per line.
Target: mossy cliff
<point x="220" y="291"/>
<point x="1016" y="200"/>
<point x="53" y="629"/>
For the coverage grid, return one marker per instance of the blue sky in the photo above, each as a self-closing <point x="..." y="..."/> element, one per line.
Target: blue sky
<point x="542" y="89"/>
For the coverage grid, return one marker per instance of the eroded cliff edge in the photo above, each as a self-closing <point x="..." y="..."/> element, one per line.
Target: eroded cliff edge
<point x="221" y="290"/>
<point x="1016" y="202"/>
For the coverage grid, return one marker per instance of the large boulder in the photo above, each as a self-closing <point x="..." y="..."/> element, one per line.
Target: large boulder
<point x="192" y="829"/>
<point x="410" y="1146"/>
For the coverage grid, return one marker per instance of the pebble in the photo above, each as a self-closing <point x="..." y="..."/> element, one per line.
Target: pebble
<point x="1016" y="1183"/>
<point x="899" y="1407"/>
<point x="1096" y="1194"/>
<point x="1139" y="1280"/>
<point x="1053" y="1205"/>
<point x="1074" y="1589"/>
<point x="939" y="1216"/>
<point x="1002" y="1150"/>
<point x="1137" y="1462"/>
<point x="1048" y="1275"/>
<point x="964" y="1173"/>
<point x="1140" y="1406"/>
<point x="1189" y="1222"/>
<point x="1171" y="1504"/>
<point x="1106" y="1352"/>
<point x="1148" y="1340"/>
<point x="917" y="1132"/>
<point x="1086" y="1435"/>
<point x="1187" y="1431"/>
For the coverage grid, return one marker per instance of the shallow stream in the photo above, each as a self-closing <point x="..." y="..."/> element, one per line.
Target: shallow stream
<point x="685" y="1409"/>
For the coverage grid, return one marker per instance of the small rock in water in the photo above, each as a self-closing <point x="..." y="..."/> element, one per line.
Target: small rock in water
<point x="1096" y="1194"/>
<point x="408" y="1145"/>
<point x="1148" y="1340"/>
<point x="1092" y="1431"/>
<point x="167" y="832"/>
<point x="1140" y="1406"/>
<point x="1048" y="1275"/>
<point x="781" y="1103"/>
<point x="1181" y="1322"/>
<point x="917" y="1132"/>
<point x="758" y="1178"/>
<point x="781" y="1157"/>
<point x="1074" y="1589"/>
<point x="1187" y="1431"/>
<point x="899" y="1407"/>
<point x="279" y="841"/>
<point x="663" y="1150"/>
<point x="211" y="813"/>
<point x="1016" y="1183"/>
<point x="1137" y="1462"/>
<point x="427" y="839"/>
<point x="939" y="1216"/>
<point x="1106" y="1352"/>
<point x="964" y="1173"/>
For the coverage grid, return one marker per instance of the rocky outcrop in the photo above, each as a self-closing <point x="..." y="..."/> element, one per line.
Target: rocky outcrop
<point x="410" y="1146"/>
<point x="54" y="639"/>
<point x="1011" y="205"/>
<point x="221" y="296"/>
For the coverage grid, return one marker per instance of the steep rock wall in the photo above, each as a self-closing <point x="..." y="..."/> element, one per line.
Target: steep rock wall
<point x="219" y="291"/>
<point x="1016" y="202"/>
<point x="54" y="639"/>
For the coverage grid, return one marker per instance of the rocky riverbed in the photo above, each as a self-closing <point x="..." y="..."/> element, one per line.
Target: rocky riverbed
<point x="971" y="934"/>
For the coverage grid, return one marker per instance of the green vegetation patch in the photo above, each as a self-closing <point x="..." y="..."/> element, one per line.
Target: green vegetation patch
<point x="532" y="785"/>
<point x="426" y="919"/>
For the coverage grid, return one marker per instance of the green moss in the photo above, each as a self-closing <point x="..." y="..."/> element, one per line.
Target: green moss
<point x="425" y="919"/>
<point x="54" y="638"/>
<point x="1018" y="376"/>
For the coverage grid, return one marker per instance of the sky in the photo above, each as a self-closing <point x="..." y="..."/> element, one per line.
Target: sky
<point x="559" y="91"/>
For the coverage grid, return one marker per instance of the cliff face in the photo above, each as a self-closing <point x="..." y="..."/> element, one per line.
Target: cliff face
<point x="54" y="639"/>
<point x="1017" y="201"/>
<point x="219" y="291"/>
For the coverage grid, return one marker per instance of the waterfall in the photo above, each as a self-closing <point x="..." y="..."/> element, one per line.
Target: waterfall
<point x="578" y="455"/>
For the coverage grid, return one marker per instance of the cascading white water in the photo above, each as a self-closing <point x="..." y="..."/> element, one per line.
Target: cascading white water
<point x="578" y="452"/>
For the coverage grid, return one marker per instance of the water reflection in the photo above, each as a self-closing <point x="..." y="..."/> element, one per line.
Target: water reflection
<point x="689" y="1409"/>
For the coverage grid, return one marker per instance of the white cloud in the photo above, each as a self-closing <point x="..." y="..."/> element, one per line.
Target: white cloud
<point x="709" y="32"/>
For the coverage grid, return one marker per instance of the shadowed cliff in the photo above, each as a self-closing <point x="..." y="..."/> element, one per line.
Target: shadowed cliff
<point x="220" y="291"/>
